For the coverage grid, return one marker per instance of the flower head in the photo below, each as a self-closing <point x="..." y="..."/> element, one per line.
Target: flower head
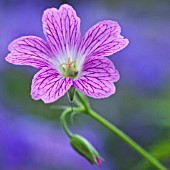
<point x="66" y="60"/>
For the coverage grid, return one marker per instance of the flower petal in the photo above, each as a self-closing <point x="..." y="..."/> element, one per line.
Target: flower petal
<point x="62" y="29"/>
<point x="103" y="39"/>
<point x="29" y="50"/>
<point x="49" y="85"/>
<point x="97" y="77"/>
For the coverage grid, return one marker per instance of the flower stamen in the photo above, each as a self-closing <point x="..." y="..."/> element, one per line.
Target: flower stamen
<point x="70" y="69"/>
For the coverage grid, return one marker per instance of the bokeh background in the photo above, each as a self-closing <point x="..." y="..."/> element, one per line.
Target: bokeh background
<point x="31" y="136"/>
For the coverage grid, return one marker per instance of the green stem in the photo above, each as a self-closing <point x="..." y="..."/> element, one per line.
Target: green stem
<point x="63" y="119"/>
<point x="64" y="123"/>
<point x="83" y="100"/>
<point x="126" y="138"/>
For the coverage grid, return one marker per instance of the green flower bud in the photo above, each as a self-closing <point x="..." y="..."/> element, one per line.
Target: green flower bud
<point x="84" y="148"/>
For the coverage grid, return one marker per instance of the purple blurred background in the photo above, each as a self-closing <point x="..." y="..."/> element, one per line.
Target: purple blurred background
<point x="30" y="131"/>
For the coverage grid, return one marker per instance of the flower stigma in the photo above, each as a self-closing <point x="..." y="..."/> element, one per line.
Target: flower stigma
<point x="69" y="68"/>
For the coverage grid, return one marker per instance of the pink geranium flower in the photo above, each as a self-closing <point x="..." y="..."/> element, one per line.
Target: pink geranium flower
<point x="66" y="60"/>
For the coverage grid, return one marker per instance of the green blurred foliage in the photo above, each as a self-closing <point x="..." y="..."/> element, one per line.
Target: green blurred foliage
<point x="17" y="86"/>
<point x="161" y="151"/>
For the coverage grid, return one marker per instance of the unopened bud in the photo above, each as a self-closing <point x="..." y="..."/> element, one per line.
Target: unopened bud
<point x="84" y="148"/>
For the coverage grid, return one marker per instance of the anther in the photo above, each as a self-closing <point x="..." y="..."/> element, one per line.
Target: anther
<point x="69" y="69"/>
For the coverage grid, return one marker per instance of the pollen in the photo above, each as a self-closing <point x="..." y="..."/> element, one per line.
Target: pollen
<point x="69" y="68"/>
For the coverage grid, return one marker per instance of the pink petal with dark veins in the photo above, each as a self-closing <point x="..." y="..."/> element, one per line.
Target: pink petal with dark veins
<point x="62" y="29"/>
<point x="29" y="50"/>
<point x="103" y="39"/>
<point x="48" y="85"/>
<point x="97" y="77"/>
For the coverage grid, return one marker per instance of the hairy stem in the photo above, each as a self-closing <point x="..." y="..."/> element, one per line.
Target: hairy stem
<point x="126" y="138"/>
<point x="63" y="119"/>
